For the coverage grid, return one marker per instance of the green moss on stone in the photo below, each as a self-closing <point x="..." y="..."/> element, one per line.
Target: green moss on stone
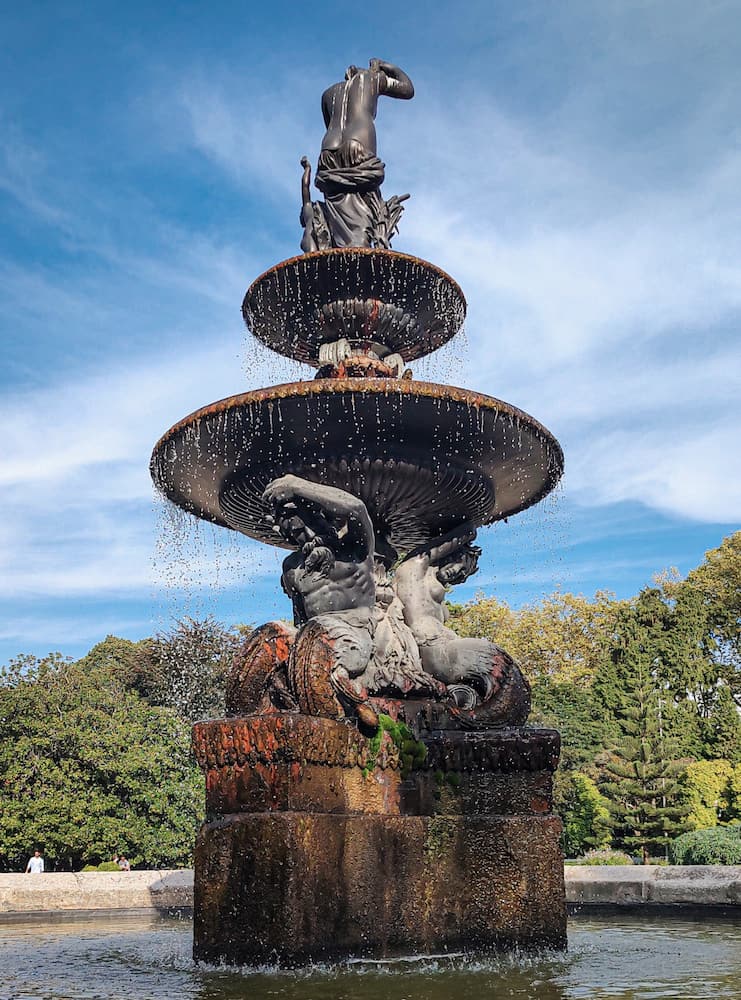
<point x="439" y="837"/>
<point x="412" y="752"/>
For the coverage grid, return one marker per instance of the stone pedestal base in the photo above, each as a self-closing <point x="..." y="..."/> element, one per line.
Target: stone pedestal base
<point x="320" y="843"/>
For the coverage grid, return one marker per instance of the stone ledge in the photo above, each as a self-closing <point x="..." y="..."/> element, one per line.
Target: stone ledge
<point x="37" y="896"/>
<point x="285" y="738"/>
<point x="670" y="885"/>
<point x="95" y="891"/>
<point x="291" y="738"/>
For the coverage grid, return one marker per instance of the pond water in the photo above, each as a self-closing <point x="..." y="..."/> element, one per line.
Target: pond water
<point x="631" y="958"/>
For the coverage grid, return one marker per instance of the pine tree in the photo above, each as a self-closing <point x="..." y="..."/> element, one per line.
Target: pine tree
<point x="639" y="774"/>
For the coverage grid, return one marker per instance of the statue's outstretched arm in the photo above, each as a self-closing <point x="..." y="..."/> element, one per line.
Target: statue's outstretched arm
<point x="393" y="82"/>
<point x="439" y="549"/>
<point x="336" y="505"/>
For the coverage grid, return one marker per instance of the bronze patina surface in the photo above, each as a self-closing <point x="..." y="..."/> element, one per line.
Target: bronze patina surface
<point x="422" y="457"/>
<point x="404" y="303"/>
<point x="374" y="787"/>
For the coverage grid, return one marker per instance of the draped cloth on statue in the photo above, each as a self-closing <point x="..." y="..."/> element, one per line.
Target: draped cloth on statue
<point x="349" y="168"/>
<point x="350" y="178"/>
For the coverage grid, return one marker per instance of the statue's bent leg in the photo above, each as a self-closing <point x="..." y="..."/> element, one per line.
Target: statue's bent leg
<point x="257" y="680"/>
<point x="329" y="656"/>
<point x="312" y="660"/>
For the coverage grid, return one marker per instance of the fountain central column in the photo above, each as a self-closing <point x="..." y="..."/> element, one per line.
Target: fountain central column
<point x="321" y="843"/>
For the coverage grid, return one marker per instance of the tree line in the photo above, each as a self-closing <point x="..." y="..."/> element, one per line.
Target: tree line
<point x="95" y="753"/>
<point x="646" y="693"/>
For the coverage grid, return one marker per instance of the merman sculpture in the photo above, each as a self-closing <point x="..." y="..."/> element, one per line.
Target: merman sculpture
<point x="359" y="631"/>
<point x="373" y="786"/>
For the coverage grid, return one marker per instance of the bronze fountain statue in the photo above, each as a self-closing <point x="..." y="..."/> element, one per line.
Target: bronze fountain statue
<point x="349" y="173"/>
<point x="367" y="730"/>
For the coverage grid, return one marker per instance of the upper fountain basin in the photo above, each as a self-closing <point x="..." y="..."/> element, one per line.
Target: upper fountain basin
<point x="424" y="458"/>
<point x="396" y="303"/>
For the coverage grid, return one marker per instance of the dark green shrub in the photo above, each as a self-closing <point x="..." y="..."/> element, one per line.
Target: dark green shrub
<point x="104" y="866"/>
<point x="720" y="845"/>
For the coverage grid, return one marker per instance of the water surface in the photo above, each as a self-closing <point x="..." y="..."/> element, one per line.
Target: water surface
<point x="630" y="958"/>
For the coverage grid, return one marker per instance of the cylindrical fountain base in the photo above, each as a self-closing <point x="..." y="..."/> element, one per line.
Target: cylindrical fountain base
<point x="322" y="844"/>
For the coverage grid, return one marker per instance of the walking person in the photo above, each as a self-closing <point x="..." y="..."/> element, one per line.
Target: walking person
<point x="35" y="864"/>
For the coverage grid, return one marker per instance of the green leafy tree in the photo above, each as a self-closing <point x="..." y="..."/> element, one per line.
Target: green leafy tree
<point x="561" y="638"/>
<point x="88" y="768"/>
<point x="718" y="580"/>
<point x="734" y="793"/>
<point x="707" y="788"/>
<point x="116" y="655"/>
<point x="708" y="609"/>
<point x="584" y="811"/>
<point x="718" y="846"/>
<point x="639" y="773"/>
<point x="721" y="729"/>
<point x="572" y="709"/>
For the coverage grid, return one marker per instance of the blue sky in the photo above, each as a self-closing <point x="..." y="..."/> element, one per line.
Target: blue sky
<point x="575" y="166"/>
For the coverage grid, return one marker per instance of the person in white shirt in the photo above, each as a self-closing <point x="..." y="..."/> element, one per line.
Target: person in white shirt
<point x="35" y="864"/>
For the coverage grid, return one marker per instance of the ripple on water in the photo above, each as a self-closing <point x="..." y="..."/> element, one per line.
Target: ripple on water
<point x="626" y="958"/>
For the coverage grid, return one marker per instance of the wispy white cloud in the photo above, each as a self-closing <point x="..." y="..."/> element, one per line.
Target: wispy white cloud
<point x="694" y="473"/>
<point x="595" y="301"/>
<point x="256" y="134"/>
<point x="22" y="165"/>
<point x="615" y="323"/>
<point x="60" y="631"/>
<point x="604" y="297"/>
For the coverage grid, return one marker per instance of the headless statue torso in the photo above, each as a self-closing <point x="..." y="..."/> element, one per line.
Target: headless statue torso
<point x="349" y="107"/>
<point x="349" y="110"/>
<point x="349" y="172"/>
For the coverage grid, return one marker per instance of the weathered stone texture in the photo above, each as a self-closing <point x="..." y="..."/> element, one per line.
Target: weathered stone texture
<point x="290" y="887"/>
<point x="59" y="892"/>
<point x="692" y="886"/>
<point x="318" y="845"/>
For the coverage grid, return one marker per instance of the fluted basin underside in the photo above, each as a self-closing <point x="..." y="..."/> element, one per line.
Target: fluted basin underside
<point x="423" y="457"/>
<point x="401" y="303"/>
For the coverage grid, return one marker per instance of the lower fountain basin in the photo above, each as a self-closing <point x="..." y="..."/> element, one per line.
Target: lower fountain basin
<point x="424" y="458"/>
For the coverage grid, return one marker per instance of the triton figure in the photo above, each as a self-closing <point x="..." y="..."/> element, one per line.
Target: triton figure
<point x="330" y="580"/>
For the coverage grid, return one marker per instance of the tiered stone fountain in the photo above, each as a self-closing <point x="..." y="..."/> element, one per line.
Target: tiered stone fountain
<point x="374" y="787"/>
